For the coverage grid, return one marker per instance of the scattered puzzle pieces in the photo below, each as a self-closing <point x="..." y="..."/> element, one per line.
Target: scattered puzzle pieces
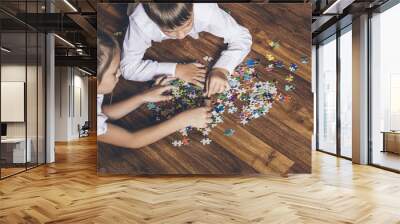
<point x="248" y="98"/>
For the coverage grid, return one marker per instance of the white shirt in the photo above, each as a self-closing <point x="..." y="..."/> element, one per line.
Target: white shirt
<point x="101" y="118"/>
<point x="208" y="17"/>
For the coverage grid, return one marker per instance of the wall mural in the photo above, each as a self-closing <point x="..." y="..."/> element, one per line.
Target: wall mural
<point x="246" y="66"/>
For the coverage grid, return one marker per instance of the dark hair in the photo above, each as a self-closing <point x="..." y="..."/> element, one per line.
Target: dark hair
<point x="169" y="15"/>
<point x="107" y="44"/>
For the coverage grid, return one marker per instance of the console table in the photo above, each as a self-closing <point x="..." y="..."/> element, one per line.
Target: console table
<point x="391" y="141"/>
<point x="13" y="150"/>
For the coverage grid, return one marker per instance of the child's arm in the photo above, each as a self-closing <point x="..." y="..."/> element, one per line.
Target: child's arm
<point x="133" y="66"/>
<point x="118" y="110"/>
<point x="238" y="38"/>
<point x="118" y="136"/>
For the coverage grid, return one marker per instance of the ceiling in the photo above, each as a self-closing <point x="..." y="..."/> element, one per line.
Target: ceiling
<point x="75" y="21"/>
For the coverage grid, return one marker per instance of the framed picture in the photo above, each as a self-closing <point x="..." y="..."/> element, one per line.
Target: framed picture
<point x="261" y="122"/>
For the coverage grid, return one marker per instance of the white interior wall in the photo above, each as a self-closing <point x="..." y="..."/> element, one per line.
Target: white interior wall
<point x="71" y="94"/>
<point x="32" y="127"/>
<point x="16" y="73"/>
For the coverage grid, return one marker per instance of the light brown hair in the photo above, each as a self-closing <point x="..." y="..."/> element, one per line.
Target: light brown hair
<point x="107" y="45"/>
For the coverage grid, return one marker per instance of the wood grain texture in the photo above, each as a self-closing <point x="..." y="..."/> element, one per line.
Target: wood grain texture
<point x="70" y="191"/>
<point x="279" y="142"/>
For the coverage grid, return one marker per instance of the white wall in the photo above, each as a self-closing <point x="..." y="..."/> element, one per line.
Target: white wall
<point x="61" y="103"/>
<point x="71" y="102"/>
<point x="34" y="125"/>
<point x="16" y="73"/>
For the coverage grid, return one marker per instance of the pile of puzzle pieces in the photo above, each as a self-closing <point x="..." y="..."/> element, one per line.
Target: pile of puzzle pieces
<point x="248" y="97"/>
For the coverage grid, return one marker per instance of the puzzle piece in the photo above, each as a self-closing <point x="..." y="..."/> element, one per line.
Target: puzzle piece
<point x="289" y="88"/>
<point x="232" y="110"/>
<point x="206" y="131"/>
<point x="293" y="67"/>
<point x="289" y="78"/>
<point x="229" y="132"/>
<point x="205" y="141"/>
<point x="151" y="106"/>
<point x="273" y="44"/>
<point x="251" y="62"/>
<point x="208" y="58"/>
<point x="279" y="64"/>
<point x="304" y="60"/>
<point x="269" y="57"/>
<point x="177" y="143"/>
<point x="270" y="67"/>
<point x="185" y="141"/>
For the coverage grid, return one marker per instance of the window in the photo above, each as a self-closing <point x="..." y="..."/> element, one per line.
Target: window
<point x="22" y="76"/>
<point x="385" y="89"/>
<point x="346" y="92"/>
<point x="335" y="74"/>
<point x="327" y="96"/>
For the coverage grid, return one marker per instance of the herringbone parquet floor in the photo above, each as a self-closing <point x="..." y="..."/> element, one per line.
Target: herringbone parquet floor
<point x="69" y="191"/>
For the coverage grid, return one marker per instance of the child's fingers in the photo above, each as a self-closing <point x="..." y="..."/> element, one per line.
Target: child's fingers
<point x="199" y="65"/>
<point x="166" y="80"/>
<point x="227" y="86"/>
<point x="163" y="89"/>
<point x="166" y="98"/>
<point x="207" y="89"/>
<point x="222" y="88"/>
<point x="213" y="89"/>
<point x="198" y="83"/>
<point x="219" y="88"/>
<point x="200" y="78"/>
<point x="209" y="120"/>
<point x="201" y="71"/>
<point x="158" y="80"/>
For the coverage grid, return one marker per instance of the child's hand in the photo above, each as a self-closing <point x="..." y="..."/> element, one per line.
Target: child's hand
<point x="198" y="118"/>
<point x="217" y="82"/>
<point x="163" y="80"/>
<point x="194" y="73"/>
<point x="157" y="93"/>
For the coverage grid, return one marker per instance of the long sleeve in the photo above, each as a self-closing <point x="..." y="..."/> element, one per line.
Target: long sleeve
<point x="101" y="118"/>
<point x="133" y="66"/>
<point x="237" y="37"/>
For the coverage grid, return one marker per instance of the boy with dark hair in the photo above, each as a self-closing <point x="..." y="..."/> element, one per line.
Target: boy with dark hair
<point x="160" y="21"/>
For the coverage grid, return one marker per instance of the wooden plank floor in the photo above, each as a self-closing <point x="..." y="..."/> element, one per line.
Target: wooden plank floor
<point x="70" y="191"/>
<point x="278" y="142"/>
